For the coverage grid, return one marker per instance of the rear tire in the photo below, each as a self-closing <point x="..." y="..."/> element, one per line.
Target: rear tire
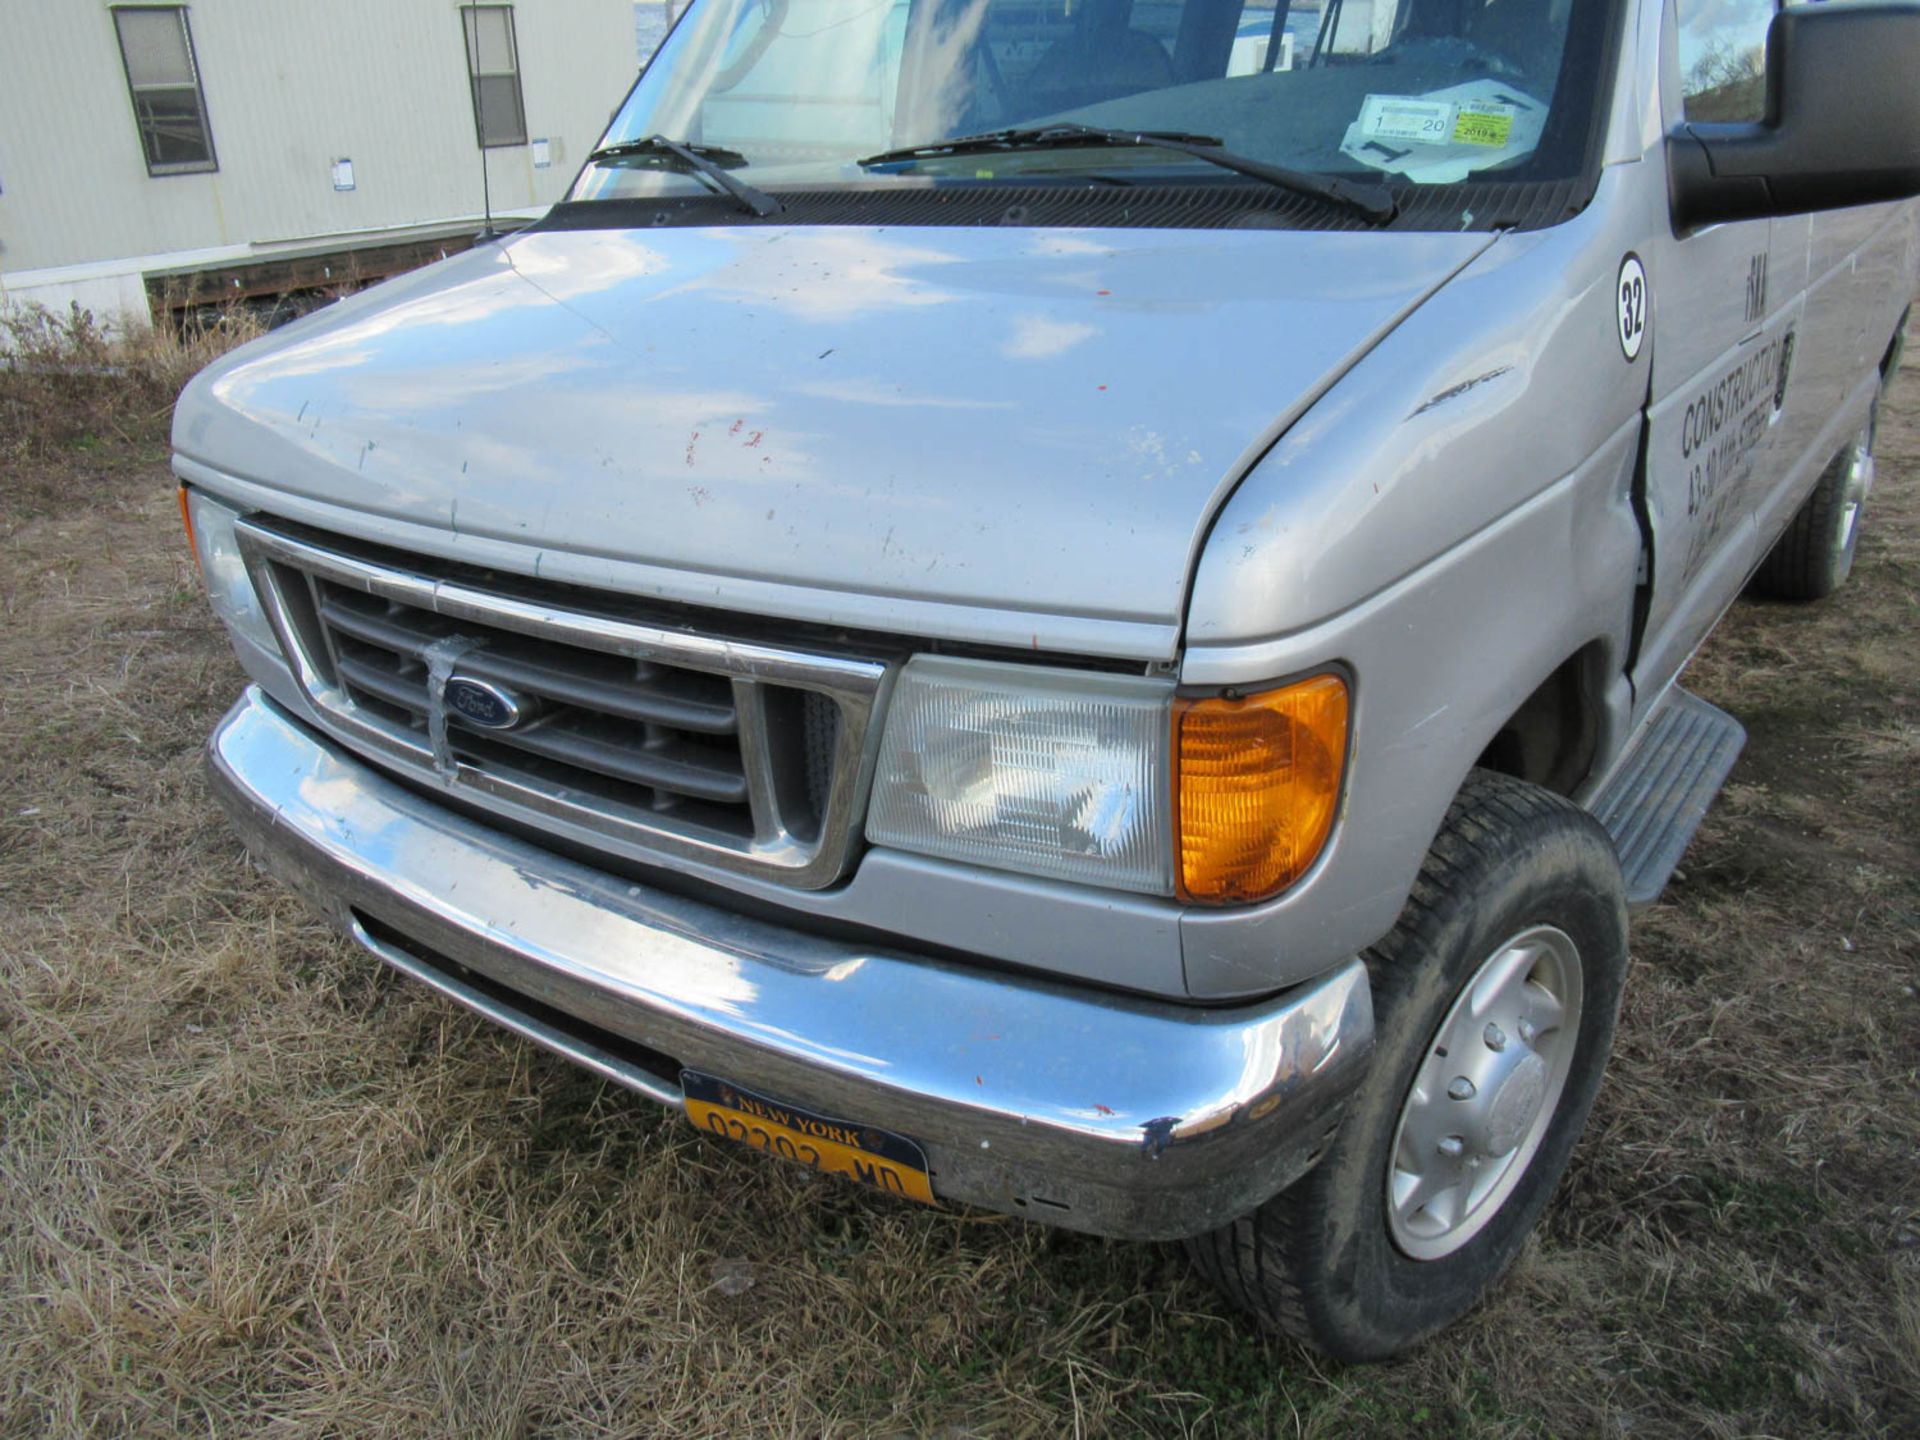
<point x="1519" y="883"/>
<point x="1814" y="556"/>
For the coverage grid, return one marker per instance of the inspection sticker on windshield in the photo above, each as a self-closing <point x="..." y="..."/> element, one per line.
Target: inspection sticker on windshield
<point x="1442" y="137"/>
<point x="1402" y="117"/>
<point x="1484" y="122"/>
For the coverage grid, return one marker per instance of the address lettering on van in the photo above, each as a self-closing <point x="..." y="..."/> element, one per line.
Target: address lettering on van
<point x="1719" y="432"/>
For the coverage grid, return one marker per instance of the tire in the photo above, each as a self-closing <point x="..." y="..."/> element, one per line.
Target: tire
<point x="1327" y="1260"/>
<point x="1814" y="556"/>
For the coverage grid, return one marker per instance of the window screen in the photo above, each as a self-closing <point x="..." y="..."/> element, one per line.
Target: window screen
<point x="493" y="66"/>
<point x="157" y="49"/>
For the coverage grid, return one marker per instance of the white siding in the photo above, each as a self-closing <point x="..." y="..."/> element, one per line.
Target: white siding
<point x="291" y="86"/>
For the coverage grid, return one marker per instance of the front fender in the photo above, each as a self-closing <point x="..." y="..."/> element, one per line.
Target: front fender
<point x="1452" y="522"/>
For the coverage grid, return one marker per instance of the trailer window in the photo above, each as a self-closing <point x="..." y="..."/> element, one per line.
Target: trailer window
<point x="164" y="82"/>
<point x="493" y="68"/>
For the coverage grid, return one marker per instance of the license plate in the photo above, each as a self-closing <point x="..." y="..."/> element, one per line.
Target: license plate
<point x="861" y="1153"/>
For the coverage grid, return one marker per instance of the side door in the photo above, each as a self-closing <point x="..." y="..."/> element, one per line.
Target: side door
<point x="1726" y="310"/>
<point x="1857" y="284"/>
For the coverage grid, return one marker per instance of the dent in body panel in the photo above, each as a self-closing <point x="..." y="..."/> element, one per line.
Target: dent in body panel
<point x="1441" y="660"/>
<point x="1504" y="381"/>
<point x="1453" y="557"/>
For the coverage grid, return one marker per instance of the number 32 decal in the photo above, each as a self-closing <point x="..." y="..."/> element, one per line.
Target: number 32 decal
<point x="1631" y="296"/>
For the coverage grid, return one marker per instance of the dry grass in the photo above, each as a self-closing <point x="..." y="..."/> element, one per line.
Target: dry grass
<point x="67" y="379"/>
<point x="253" y="1183"/>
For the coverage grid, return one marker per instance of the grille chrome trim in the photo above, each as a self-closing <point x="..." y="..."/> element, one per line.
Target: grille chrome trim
<point x="290" y="572"/>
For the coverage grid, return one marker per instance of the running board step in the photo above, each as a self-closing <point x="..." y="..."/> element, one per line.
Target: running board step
<point x="1659" y="793"/>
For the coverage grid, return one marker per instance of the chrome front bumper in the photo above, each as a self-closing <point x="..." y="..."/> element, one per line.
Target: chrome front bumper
<point x="1097" y="1112"/>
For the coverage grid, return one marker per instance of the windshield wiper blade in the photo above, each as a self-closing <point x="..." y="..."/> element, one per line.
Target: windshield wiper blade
<point x="708" y="160"/>
<point x="1373" y="202"/>
<point x="1061" y="136"/>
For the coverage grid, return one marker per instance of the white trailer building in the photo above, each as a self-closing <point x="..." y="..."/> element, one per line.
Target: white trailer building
<point x="246" y="146"/>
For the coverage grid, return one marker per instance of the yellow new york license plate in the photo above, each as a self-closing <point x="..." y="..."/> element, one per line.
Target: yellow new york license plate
<point x="861" y="1153"/>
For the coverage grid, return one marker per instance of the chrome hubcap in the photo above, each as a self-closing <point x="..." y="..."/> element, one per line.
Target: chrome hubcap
<point x="1859" y="485"/>
<point x="1485" y="1094"/>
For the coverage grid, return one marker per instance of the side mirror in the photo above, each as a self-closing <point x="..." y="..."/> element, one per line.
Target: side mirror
<point x="1842" y="126"/>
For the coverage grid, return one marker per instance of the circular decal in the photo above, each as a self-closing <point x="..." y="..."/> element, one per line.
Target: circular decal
<point x="1630" y="296"/>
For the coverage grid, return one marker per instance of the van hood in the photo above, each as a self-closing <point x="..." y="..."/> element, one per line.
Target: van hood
<point x="1031" y="428"/>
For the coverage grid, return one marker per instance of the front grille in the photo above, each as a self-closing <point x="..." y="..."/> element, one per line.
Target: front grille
<point x="653" y="741"/>
<point x="629" y="733"/>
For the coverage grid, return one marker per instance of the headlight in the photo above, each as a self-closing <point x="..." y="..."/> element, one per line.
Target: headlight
<point x="1110" y="780"/>
<point x="229" y="586"/>
<point x="1060" y="773"/>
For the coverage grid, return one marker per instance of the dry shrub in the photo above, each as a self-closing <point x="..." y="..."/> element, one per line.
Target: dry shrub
<point x="66" y="379"/>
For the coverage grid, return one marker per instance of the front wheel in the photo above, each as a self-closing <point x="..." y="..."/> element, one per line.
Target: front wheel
<point x="1495" y="997"/>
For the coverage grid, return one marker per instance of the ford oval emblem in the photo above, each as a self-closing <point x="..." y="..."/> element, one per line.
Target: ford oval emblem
<point x="482" y="703"/>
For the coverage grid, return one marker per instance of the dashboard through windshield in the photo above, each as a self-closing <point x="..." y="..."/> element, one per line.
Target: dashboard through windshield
<point x="799" y="93"/>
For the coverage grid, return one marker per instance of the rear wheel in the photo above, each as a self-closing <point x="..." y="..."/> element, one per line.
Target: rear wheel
<point x="1814" y="556"/>
<point x="1495" y="997"/>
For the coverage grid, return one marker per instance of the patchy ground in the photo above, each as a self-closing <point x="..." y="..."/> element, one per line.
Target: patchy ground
<point x="251" y="1181"/>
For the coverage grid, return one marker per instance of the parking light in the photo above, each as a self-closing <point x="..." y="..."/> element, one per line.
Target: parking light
<point x="1256" y="787"/>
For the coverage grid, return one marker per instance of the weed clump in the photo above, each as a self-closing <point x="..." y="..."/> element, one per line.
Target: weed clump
<point x="68" y="380"/>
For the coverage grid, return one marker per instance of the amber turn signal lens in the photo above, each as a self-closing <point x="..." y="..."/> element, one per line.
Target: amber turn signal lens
<point x="193" y="544"/>
<point x="1256" y="784"/>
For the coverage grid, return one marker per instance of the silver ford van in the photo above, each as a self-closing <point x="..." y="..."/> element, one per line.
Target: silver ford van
<point x="1074" y="605"/>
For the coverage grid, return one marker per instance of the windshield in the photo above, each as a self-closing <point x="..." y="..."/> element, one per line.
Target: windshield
<point x="1420" y="92"/>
